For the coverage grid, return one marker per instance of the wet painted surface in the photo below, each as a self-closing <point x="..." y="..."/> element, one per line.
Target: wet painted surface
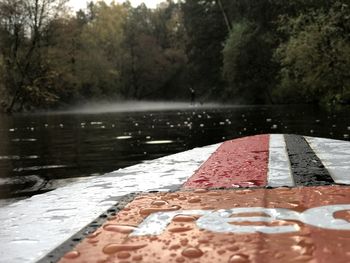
<point x="237" y="163"/>
<point x="279" y="173"/>
<point x="307" y="168"/>
<point x="49" y="219"/>
<point x="280" y="225"/>
<point x="335" y="155"/>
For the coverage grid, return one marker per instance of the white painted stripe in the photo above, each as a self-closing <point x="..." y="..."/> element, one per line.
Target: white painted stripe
<point x="33" y="227"/>
<point x="335" y="156"/>
<point x="279" y="173"/>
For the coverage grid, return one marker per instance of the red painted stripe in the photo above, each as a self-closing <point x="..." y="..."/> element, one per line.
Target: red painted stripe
<point x="241" y="162"/>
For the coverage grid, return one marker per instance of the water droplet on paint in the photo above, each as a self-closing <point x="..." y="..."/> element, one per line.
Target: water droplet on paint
<point x="114" y="248"/>
<point x="179" y="229"/>
<point x="239" y="258"/>
<point x="137" y="258"/>
<point x="184" y="218"/>
<point x="174" y="247"/>
<point x="124" y="229"/>
<point x="159" y="203"/>
<point x="192" y="252"/>
<point x="194" y="200"/>
<point x="180" y="259"/>
<point x="184" y="242"/>
<point x="148" y="211"/>
<point x="93" y="235"/>
<point x="233" y="248"/>
<point x="123" y="255"/>
<point x="203" y="241"/>
<point x="72" y="254"/>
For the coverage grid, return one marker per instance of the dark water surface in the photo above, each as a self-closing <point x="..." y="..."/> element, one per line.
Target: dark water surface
<point x="40" y="152"/>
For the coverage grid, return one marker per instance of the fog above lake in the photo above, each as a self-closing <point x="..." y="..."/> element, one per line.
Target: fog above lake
<point x="137" y="106"/>
<point x="40" y="152"/>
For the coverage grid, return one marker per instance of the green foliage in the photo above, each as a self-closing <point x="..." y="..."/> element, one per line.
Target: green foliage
<point x="206" y="31"/>
<point x="248" y="67"/>
<point x="316" y="58"/>
<point x="234" y="50"/>
<point x="101" y="51"/>
<point x="24" y="30"/>
<point x="153" y="61"/>
<point x="238" y="39"/>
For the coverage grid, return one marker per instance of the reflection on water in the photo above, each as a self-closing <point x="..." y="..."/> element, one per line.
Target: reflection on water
<point x="159" y="142"/>
<point x="40" y="152"/>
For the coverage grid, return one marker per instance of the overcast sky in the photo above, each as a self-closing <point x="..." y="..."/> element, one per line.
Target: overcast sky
<point x="77" y="4"/>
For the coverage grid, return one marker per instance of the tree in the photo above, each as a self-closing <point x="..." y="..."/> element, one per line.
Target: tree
<point x="155" y="60"/>
<point x="101" y="51"/>
<point x="315" y="59"/>
<point x="248" y="65"/>
<point x="206" y="31"/>
<point x="23" y="23"/>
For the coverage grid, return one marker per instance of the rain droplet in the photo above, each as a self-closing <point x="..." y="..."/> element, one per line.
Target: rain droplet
<point x="123" y="255"/>
<point x="192" y="252"/>
<point x="137" y="258"/>
<point x="180" y="229"/>
<point x="180" y="259"/>
<point x="72" y="254"/>
<point x="93" y="235"/>
<point x="148" y="211"/>
<point x="194" y="200"/>
<point x="239" y="258"/>
<point x="174" y="247"/>
<point x="184" y="218"/>
<point x="233" y="248"/>
<point x="159" y="203"/>
<point x="173" y="195"/>
<point x="184" y="242"/>
<point x="114" y="248"/>
<point x="124" y="229"/>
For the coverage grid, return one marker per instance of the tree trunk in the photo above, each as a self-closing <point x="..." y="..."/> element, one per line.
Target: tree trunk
<point x="224" y="14"/>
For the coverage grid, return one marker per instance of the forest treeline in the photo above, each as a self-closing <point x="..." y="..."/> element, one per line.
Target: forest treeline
<point x="236" y="51"/>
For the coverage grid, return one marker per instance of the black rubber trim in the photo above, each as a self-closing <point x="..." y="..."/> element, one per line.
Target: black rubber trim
<point x="56" y="254"/>
<point x="307" y="168"/>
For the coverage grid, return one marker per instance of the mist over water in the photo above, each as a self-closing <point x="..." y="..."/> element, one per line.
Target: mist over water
<point x="137" y="106"/>
<point x="40" y="152"/>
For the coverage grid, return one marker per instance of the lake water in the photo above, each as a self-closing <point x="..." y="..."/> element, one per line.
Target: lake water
<point x="40" y="152"/>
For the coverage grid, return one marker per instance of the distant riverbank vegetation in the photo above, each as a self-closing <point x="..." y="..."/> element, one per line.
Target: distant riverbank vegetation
<point x="234" y="51"/>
